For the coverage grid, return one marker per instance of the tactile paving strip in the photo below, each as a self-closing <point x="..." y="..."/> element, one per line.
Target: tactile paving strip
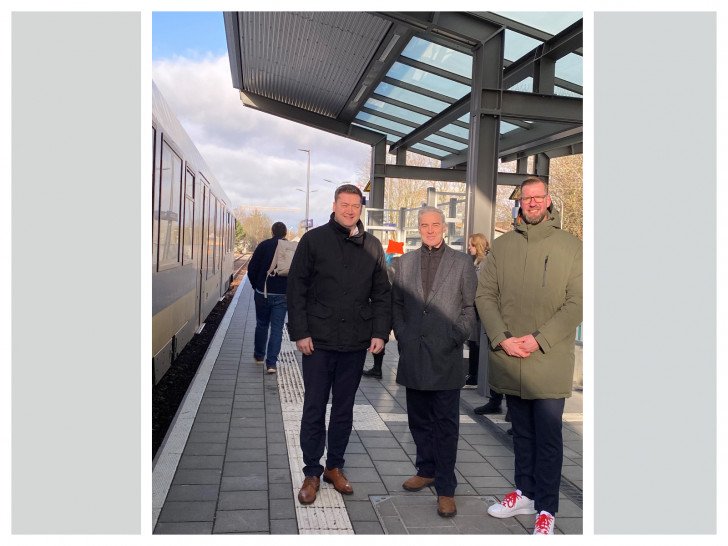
<point x="327" y="514"/>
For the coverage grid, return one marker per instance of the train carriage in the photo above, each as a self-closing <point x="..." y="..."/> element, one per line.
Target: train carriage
<point x="193" y="237"/>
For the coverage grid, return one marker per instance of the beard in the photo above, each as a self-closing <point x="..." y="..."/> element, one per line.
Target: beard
<point x="534" y="219"/>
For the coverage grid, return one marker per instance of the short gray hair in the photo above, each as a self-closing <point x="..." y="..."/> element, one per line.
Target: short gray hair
<point x="426" y="209"/>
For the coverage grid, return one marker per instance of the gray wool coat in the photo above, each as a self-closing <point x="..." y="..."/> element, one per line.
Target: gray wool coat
<point x="431" y="330"/>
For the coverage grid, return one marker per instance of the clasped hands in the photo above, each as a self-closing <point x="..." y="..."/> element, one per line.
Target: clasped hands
<point x="520" y="347"/>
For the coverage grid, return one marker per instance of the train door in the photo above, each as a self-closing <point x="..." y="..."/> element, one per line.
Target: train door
<point x="203" y="253"/>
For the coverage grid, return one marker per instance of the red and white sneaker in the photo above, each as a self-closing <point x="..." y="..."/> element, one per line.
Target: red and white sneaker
<point x="514" y="504"/>
<point x="544" y="524"/>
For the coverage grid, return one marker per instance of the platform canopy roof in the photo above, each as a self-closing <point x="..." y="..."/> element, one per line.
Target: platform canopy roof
<point x="408" y="76"/>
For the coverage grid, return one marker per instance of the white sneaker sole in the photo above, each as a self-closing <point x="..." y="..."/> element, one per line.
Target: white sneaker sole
<point x="510" y="513"/>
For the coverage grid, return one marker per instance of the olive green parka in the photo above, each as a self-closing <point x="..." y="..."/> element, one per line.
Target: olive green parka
<point x="531" y="283"/>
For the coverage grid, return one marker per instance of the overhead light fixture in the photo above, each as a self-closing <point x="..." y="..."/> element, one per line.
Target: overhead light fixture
<point x="359" y="94"/>
<point x="389" y="47"/>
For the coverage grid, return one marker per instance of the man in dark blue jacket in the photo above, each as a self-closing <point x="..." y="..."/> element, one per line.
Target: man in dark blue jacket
<point x="270" y="310"/>
<point x="338" y="308"/>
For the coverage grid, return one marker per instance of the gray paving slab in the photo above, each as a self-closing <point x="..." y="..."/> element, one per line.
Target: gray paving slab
<point x="367" y="528"/>
<point x="241" y="521"/>
<point x="187" y="493"/>
<point x="243" y="500"/>
<point x="284" y="527"/>
<point x="282" y="509"/>
<point x="242" y="455"/>
<point x="181" y="511"/>
<point x="184" y="528"/>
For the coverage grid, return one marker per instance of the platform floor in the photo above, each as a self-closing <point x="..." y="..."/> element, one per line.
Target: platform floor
<point x="231" y="461"/>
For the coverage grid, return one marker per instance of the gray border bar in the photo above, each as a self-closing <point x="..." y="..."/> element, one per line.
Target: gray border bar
<point x="76" y="408"/>
<point x="655" y="273"/>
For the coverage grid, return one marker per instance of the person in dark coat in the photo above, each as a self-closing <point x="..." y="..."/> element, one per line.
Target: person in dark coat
<point x="433" y="312"/>
<point x="270" y="308"/>
<point x="339" y="306"/>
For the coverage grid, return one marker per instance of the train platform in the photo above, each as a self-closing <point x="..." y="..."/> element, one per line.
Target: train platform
<point x="231" y="461"/>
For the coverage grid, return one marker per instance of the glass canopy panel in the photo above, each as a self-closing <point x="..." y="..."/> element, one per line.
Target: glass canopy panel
<point x="446" y="142"/>
<point x="391" y="125"/>
<point x="396" y="111"/>
<point x="517" y="45"/>
<point x="571" y="68"/>
<point x="506" y="127"/>
<point x="552" y="22"/>
<point x="410" y="97"/>
<point x="426" y="80"/>
<point x="439" y="56"/>
<point x="455" y="130"/>
<point x="525" y="86"/>
<point x="430" y="150"/>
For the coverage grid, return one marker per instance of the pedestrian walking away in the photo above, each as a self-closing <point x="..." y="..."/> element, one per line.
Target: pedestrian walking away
<point x="529" y="299"/>
<point x="270" y="300"/>
<point x="433" y="313"/>
<point x="339" y="307"/>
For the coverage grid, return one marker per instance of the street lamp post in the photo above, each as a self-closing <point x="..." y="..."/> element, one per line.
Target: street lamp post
<point x="308" y="180"/>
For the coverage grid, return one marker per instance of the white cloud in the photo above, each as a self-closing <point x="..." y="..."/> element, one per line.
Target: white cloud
<point x="255" y="155"/>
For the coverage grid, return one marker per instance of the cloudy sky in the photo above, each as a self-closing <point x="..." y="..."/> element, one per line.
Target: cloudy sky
<point x="253" y="155"/>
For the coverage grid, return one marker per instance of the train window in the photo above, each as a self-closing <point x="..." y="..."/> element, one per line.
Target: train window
<point x="169" y="208"/>
<point x="189" y="222"/>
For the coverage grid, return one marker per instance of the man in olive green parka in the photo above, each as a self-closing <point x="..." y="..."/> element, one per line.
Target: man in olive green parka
<point x="529" y="299"/>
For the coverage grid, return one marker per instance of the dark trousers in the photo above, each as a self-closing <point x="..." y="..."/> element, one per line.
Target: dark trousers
<point x="538" y="448"/>
<point x="339" y="374"/>
<point x="434" y="421"/>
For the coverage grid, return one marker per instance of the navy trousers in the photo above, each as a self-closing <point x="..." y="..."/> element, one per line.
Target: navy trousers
<point x="539" y="449"/>
<point x="434" y="421"/>
<point x="336" y="373"/>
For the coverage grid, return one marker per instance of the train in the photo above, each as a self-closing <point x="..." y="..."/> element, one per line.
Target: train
<point x="193" y="238"/>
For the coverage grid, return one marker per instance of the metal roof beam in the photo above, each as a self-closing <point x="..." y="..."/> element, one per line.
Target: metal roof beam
<point x="567" y="41"/>
<point x="388" y="52"/>
<point x="457" y="27"/>
<point x="547" y="137"/>
<point x="419" y="65"/>
<point x="309" y="118"/>
<point x="444" y="118"/>
<point x="533" y="107"/>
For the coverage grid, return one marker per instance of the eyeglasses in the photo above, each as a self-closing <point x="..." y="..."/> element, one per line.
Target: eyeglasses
<point x="537" y="198"/>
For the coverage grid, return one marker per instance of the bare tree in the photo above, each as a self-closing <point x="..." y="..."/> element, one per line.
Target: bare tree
<point x="256" y="227"/>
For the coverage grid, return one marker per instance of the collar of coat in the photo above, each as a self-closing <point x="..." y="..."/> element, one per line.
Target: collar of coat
<point x="357" y="239"/>
<point x="543" y="229"/>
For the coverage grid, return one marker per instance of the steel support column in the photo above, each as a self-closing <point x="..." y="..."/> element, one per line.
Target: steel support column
<point x="482" y="170"/>
<point x="376" y="179"/>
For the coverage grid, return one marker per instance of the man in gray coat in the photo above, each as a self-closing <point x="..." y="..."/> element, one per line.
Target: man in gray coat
<point x="433" y="310"/>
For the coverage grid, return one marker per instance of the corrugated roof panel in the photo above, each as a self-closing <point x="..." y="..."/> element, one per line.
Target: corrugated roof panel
<point x="308" y="60"/>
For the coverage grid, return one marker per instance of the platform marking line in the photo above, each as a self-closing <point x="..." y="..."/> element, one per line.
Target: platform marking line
<point x="327" y="514"/>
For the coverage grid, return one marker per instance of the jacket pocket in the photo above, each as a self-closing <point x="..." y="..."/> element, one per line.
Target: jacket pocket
<point x="366" y="312"/>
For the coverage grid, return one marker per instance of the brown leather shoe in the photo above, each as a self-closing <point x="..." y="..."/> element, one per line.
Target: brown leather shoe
<point x="341" y="484"/>
<point x="415" y="483"/>
<point x="446" y="507"/>
<point x="307" y="494"/>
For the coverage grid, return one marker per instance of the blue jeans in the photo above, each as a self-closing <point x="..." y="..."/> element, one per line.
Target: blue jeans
<point x="270" y="313"/>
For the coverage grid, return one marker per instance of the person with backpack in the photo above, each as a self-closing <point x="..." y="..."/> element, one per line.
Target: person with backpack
<point x="270" y="299"/>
